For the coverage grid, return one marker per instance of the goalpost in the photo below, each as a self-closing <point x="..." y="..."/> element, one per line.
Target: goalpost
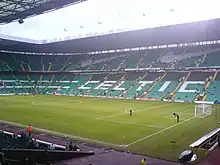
<point x="203" y="110"/>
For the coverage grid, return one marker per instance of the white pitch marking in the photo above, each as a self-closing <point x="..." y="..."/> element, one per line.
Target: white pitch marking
<point x="135" y="124"/>
<point x="118" y="114"/>
<point x="158" y="132"/>
<point x="178" y="113"/>
<point x="64" y="135"/>
<point x="138" y="110"/>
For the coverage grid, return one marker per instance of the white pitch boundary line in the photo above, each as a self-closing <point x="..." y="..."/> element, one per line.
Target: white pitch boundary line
<point x="147" y="109"/>
<point x="178" y="113"/>
<point x="158" y="132"/>
<point x="135" y="124"/>
<point x="104" y="117"/>
<point x="64" y="135"/>
<point x="138" y="110"/>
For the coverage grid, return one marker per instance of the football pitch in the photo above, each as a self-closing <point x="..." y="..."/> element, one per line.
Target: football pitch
<point x="149" y="131"/>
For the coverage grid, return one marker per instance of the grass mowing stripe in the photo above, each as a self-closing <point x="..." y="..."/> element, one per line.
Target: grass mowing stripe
<point x="156" y="133"/>
<point x="140" y="125"/>
<point x="62" y="134"/>
<point x="80" y="119"/>
<point x="126" y="111"/>
<point x="104" y="117"/>
<point x="168" y="116"/>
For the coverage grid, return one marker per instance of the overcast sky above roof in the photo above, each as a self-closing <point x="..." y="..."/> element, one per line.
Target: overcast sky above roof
<point x="103" y="15"/>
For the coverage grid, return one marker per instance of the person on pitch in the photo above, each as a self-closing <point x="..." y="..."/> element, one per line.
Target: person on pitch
<point x="177" y="118"/>
<point x="131" y="112"/>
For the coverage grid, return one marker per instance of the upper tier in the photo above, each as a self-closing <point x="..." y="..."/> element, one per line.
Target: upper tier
<point x="155" y="58"/>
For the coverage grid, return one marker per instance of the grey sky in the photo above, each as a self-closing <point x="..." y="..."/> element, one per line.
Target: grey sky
<point x="102" y="15"/>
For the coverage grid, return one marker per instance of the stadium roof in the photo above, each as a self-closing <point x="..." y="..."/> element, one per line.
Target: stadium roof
<point x="175" y="34"/>
<point x="101" y="17"/>
<point x="11" y="10"/>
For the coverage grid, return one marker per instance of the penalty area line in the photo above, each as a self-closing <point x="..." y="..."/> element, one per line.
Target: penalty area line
<point x="168" y="116"/>
<point x="158" y="132"/>
<point x="135" y="110"/>
<point x="104" y="117"/>
<point x="63" y="134"/>
<point x="134" y="124"/>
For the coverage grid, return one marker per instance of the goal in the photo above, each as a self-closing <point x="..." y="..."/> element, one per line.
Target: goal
<point x="203" y="110"/>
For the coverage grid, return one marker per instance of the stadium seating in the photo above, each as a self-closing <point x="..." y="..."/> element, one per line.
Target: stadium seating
<point x="14" y="142"/>
<point x="153" y="85"/>
<point x="126" y="84"/>
<point x="154" y="58"/>
<point x="166" y="85"/>
<point x="212" y="92"/>
<point x="117" y="78"/>
<point x="151" y="79"/>
<point x="134" y="59"/>
<point x="193" y="86"/>
<point x="150" y="57"/>
<point x="97" y="79"/>
<point x="132" y="84"/>
<point x="212" y="58"/>
<point x="190" y="57"/>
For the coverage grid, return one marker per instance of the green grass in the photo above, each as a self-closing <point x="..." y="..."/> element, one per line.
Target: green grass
<point x="149" y="131"/>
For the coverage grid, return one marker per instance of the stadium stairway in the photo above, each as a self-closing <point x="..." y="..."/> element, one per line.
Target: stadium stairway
<point x="150" y="78"/>
<point x="212" y="58"/>
<point x="132" y="92"/>
<point x="155" y="84"/>
<point x="203" y="59"/>
<point x="122" y="65"/>
<point x="173" y="94"/>
<point x="131" y="80"/>
<point x="75" y="84"/>
<point x="208" y="83"/>
<point x="179" y="81"/>
<point x="22" y="67"/>
<point x="49" y="67"/>
<point x="202" y="95"/>
<point x="29" y="67"/>
<point x="193" y="86"/>
<point x="3" y="66"/>
<point x="166" y="85"/>
<point x="212" y="91"/>
<point x="97" y="79"/>
<point x="66" y="66"/>
<point x="63" y="83"/>
<point x="119" y="78"/>
<point x="133" y="59"/>
<point x="158" y="63"/>
<point x="150" y="57"/>
<point x="185" y="57"/>
<point x="79" y="86"/>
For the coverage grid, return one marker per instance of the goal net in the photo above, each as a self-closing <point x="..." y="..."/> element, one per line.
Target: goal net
<point x="203" y="110"/>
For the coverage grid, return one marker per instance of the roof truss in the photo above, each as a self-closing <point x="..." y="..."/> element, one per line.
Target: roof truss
<point x="11" y="10"/>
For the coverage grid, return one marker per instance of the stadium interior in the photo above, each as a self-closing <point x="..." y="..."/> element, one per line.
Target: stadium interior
<point x="144" y="74"/>
<point x="175" y="63"/>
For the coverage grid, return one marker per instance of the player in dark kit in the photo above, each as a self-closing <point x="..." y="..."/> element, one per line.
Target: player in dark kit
<point x="131" y="112"/>
<point x="177" y="118"/>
